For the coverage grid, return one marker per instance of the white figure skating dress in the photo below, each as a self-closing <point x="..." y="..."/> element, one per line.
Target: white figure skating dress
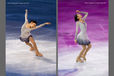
<point x="82" y="37"/>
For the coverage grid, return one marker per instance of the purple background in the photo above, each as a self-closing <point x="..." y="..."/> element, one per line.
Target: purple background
<point x="97" y="20"/>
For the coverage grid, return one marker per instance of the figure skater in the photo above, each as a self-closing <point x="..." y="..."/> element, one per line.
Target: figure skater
<point x="26" y="36"/>
<point x="82" y="37"/>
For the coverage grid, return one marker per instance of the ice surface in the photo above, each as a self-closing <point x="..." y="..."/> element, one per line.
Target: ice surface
<point x="96" y="64"/>
<point x="20" y="60"/>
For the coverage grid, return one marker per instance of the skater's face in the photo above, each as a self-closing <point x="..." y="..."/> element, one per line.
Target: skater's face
<point x="79" y="16"/>
<point x="32" y="25"/>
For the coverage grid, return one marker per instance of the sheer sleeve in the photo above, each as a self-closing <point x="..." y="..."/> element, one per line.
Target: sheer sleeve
<point x="86" y="14"/>
<point x="41" y="25"/>
<point x="26" y="20"/>
<point x="77" y="24"/>
<point x="26" y="15"/>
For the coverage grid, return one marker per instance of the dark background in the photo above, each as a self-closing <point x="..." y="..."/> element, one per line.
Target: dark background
<point x="39" y="10"/>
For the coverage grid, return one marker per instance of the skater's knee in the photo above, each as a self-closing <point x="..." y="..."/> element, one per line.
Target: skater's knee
<point x="89" y="46"/>
<point x="26" y="43"/>
<point x="84" y="47"/>
<point x="33" y="43"/>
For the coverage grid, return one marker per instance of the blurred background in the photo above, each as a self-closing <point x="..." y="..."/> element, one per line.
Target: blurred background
<point x="20" y="61"/>
<point x="97" y="20"/>
<point x="39" y="10"/>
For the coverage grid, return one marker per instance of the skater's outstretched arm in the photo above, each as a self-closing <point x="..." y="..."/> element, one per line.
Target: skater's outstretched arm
<point x="26" y="20"/>
<point x="26" y="14"/>
<point x="41" y="25"/>
<point x="86" y="14"/>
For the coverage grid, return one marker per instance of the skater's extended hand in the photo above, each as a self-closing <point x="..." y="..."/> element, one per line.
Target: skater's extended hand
<point x="47" y="23"/>
<point x="77" y="11"/>
<point x="75" y="41"/>
<point x="26" y="10"/>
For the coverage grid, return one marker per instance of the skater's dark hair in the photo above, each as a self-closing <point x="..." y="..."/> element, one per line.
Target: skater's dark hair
<point x="75" y="18"/>
<point x="33" y="21"/>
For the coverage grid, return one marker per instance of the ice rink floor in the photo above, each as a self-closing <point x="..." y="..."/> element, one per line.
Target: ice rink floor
<point x="20" y="61"/>
<point x="96" y="64"/>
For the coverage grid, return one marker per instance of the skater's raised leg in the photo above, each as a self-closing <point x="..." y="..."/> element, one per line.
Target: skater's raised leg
<point x="81" y="53"/>
<point x="35" y="47"/>
<point x="30" y="45"/>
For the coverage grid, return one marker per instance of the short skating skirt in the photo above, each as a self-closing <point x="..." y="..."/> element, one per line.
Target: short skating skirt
<point x="25" y="39"/>
<point x="83" y="39"/>
<point x="83" y="42"/>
